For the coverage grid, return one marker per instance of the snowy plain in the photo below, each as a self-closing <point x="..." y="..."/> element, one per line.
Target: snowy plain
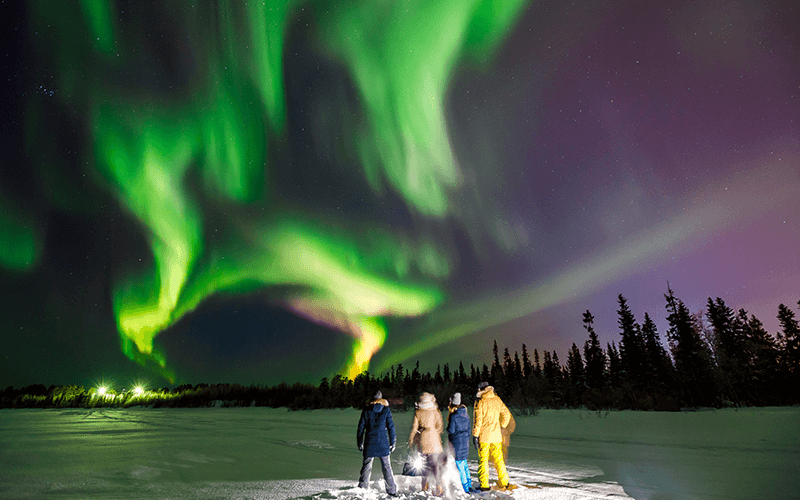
<point x="275" y="454"/>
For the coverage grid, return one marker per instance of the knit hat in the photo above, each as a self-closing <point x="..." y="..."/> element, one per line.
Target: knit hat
<point x="483" y="385"/>
<point x="378" y="395"/>
<point x="455" y="399"/>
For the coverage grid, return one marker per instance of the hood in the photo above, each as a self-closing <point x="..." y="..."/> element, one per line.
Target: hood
<point x="426" y="401"/>
<point x="378" y="404"/>
<point x="461" y="409"/>
<point x="426" y="406"/>
<point x="486" y="392"/>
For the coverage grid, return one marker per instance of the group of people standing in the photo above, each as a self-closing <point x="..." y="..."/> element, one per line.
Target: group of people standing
<point x="491" y="427"/>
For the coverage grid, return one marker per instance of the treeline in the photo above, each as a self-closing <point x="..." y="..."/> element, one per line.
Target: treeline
<point x="718" y="357"/>
<point x="182" y="396"/>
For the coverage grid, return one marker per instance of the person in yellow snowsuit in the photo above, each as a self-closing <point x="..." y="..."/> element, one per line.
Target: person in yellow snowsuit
<point x="489" y="418"/>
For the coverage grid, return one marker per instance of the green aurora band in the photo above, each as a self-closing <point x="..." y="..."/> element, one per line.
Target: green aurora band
<point x="169" y="154"/>
<point x="19" y="239"/>
<point x="402" y="68"/>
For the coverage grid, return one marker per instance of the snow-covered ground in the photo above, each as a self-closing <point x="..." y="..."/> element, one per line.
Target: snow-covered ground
<point x="274" y="454"/>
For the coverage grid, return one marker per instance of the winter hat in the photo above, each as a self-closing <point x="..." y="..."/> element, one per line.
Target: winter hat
<point x="378" y="395"/>
<point x="427" y="397"/>
<point x="455" y="399"/>
<point x="483" y="385"/>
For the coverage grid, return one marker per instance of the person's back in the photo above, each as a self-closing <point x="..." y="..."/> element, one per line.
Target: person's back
<point x="427" y="427"/>
<point x="376" y="438"/>
<point x="491" y="415"/>
<point x="378" y="427"/>
<point x="458" y="433"/>
<point x="426" y="431"/>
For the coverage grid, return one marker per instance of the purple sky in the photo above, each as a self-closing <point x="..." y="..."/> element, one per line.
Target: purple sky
<point x="659" y="140"/>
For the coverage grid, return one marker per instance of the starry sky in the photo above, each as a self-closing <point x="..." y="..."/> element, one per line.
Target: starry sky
<point x="285" y="191"/>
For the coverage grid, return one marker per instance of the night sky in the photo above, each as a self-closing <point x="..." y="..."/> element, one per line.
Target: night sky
<point x="250" y="194"/>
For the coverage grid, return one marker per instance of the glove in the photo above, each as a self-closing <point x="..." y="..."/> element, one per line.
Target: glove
<point x="391" y="448"/>
<point x="476" y="442"/>
<point x="360" y="446"/>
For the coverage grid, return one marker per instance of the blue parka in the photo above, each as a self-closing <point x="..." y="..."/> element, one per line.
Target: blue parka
<point x="458" y="431"/>
<point x="376" y="429"/>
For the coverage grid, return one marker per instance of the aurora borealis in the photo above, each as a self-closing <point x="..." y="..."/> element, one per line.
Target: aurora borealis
<point x="217" y="192"/>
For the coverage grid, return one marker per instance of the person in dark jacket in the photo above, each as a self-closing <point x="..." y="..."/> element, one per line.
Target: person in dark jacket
<point x="458" y="433"/>
<point x="376" y="438"/>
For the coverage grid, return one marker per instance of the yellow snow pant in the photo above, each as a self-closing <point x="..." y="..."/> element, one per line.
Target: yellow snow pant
<point x="496" y="452"/>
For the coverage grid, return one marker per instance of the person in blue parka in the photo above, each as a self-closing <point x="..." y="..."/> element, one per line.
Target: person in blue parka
<point x="376" y="438"/>
<point x="458" y="433"/>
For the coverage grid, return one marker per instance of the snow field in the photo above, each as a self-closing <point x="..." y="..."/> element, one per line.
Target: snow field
<point x="274" y="454"/>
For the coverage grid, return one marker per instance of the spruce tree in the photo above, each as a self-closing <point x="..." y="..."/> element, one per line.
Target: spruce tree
<point x="659" y="365"/>
<point x="526" y="363"/>
<point x="508" y="364"/>
<point x="593" y="355"/>
<point x="412" y="383"/>
<point x="508" y="382"/>
<point x="790" y="336"/>
<point x="485" y="375"/>
<point x="398" y="376"/>
<point x="575" y="369"/>
<point x="497" y="369"/>
<point x="762" y="352"/>
<point x="631" y="346"/>
<point x="790" y="350"/>
<point x="729" y="339"/>
<point x="551" y="371"/>
<point x="547" y="365"/>
<point x="691" y="354"/>
<point x="614" y="366"/>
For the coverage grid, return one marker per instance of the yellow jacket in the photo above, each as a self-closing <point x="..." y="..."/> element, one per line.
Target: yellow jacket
<point x="490" y="415"/>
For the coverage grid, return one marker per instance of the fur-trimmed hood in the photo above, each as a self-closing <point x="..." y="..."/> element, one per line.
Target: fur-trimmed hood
<point x="485" y="391"/>
<point x="426" y="401"/>
<point x="455" y="408"/>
